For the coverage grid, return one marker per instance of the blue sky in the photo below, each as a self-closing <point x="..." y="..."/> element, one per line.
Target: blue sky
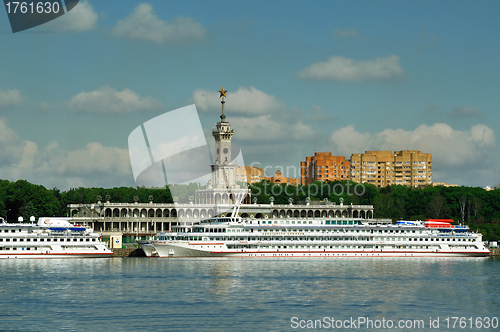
<point x="303" y="77"/>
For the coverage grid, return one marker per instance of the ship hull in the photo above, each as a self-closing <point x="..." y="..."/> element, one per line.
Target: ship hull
<point x="147" y="247"/>
<point x="56" y="255"/>
<point x="173" y="250"/>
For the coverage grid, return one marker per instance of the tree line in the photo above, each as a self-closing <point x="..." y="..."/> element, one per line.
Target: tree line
<point x="478" y="208"/>
<point x="23" y="199"/>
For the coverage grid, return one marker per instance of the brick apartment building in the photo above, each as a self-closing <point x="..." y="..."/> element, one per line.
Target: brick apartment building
<point x="324" y="167"/>
<point x="384" y="168"/>
<point x="249" y="174"/>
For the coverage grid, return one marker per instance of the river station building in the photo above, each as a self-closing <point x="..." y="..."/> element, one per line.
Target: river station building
<point x="133" y="219"/>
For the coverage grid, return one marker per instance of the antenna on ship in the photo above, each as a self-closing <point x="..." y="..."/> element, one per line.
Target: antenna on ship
<point x="237" y="205"/>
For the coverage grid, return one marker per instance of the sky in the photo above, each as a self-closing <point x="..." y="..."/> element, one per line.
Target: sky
<point x="302" y="77"/>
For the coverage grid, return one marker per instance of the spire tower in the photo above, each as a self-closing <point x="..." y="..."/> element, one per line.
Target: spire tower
<point x="222" y="189"/>
<point x="222" y="101"/>
<point x="223" y="134"/>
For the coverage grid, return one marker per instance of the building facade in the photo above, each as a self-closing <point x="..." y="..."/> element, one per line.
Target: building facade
<point x="384" y="168"/>
<point x="249" y="174"/>
<point x="140" y="219"/>
<point x="324" y="167"/>
<point x="279" y="178"/>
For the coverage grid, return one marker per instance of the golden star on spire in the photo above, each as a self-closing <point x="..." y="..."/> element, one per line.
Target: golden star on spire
<point x="222" y="93"/>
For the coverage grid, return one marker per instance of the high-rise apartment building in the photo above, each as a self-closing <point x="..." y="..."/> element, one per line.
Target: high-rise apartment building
<point x="324" y="167"/>
<point x="385" y="168"/>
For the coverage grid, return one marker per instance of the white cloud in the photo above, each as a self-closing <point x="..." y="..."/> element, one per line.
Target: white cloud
<point x="143" y="24"/>
<point x="451" y="149"/>
<point x="351" y="33"/>
<point x="339" y="68"/>
<point x="92" y="160"/>
<point x="11" y="145"/>
<point x="109" y="100"/>
<point x="348" y="141"/>
<point x="279" y="137"/>
<point x="93" y="165"/>
<point x="243" y="101"/>
<point x="278" y="140"/>
<point x="10" y="98"/>
<point x="80" y="18"/>
<point x="465" y="111"/>
<point x="317" y="114"/>
<point x="270" y="129"/>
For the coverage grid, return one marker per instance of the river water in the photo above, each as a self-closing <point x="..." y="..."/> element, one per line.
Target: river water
<point x="272" y="294"/>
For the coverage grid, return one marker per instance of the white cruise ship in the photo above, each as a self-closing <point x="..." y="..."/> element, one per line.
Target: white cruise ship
<point x="50" y="238"/>
<point x="237" y="237"/>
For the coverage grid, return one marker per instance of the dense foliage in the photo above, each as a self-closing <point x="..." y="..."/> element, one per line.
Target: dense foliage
<point x="22" y="198"/>
<point x="478" y="208"/>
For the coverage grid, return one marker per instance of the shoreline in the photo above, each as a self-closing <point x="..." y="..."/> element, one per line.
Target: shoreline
<point x="495" y="251"/>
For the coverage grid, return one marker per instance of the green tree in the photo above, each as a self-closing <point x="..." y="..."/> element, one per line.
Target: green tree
<point x="28" y="211"/>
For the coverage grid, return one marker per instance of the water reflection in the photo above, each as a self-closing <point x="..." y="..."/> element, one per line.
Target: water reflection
<point x="243" y="294"/>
